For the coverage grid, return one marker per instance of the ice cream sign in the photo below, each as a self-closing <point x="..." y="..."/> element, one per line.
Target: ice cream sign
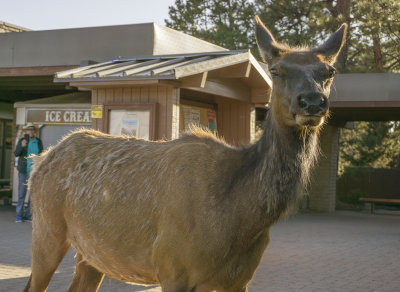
<point x="59" y="116"/>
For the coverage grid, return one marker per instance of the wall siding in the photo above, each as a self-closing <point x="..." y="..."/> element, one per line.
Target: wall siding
<point x="166" y="97"/>
<point x="235" y="122"/>
<point x="173" y="101"/>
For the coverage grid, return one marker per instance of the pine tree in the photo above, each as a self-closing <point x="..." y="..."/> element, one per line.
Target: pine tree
<point x="370" y="144"/>
<point x="295" y="22"/>
<point x="373" y="43"/>
<point x="228" y="23"/>
<point x="377" y="31"/>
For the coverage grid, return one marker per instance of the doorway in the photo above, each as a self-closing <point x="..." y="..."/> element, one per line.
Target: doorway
<point x="52" y="134"/>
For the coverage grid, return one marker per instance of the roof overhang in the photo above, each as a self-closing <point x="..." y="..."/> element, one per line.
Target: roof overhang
<point x="71" y="100"/>
<point x="366" y="87"/>
<point x="207" y="72"/>
<point x="366" y="97"/>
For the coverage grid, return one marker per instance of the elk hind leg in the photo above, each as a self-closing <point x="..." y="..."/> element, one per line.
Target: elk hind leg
<point x="86" y="278"/>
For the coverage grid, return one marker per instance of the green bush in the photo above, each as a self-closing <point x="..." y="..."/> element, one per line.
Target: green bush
<point x="351" y="196"/>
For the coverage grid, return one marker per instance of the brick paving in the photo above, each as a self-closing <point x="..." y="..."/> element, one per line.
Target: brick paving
<point x="341" y="251"/>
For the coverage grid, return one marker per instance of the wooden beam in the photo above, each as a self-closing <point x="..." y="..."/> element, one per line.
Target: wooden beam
<point x="44" y="78"/>
<point x="241" y="70"/>
<point x="27" y="95"/>
<point x="34" y="90"/>
<point x="34" y="71"/>
<point x="39" y="87"/>
<point x="229" y="88"/>
<point x="171" y="82"/>
<point x="261" y="105"/>
<point x="197" y="80"/>
<point x="5" y="83"/>
<point x="84" y="89"/>
<point x="260" y="95"/>
<point x="111" y="83"/>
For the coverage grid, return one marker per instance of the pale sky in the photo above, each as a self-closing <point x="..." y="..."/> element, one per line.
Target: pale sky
<point x="56" y="14"/>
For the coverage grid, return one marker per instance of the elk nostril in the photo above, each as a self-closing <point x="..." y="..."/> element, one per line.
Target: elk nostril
<point x="323" y="101"/>
<point x="302" y="102"/>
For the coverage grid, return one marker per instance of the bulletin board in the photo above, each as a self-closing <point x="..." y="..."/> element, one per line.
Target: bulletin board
<point x="197" y="115"/>
<point x="132" y="120"/>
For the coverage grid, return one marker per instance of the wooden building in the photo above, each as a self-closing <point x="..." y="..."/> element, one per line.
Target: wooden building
<point x="157" y="97"/>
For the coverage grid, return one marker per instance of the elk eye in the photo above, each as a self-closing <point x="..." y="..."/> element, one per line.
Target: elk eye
<point x="332" y="72"/>
<point x="274" y="72"/>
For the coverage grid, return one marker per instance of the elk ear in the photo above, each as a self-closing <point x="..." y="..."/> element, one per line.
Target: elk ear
<point x="332" y="46"/>
<point x="269" y="48"/>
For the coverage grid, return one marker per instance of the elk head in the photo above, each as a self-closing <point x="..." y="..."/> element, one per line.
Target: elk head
<point x="301" y="77"/>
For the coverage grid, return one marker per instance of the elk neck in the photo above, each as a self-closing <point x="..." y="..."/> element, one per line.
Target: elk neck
<point x="275" y="170"/>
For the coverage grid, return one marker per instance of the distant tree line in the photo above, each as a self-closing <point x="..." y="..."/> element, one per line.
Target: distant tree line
<point x="370" y="144"/>
<point x="373" y="45"/>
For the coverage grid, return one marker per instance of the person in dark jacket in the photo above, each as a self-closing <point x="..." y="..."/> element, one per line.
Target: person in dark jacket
<point x="26" y="146"/>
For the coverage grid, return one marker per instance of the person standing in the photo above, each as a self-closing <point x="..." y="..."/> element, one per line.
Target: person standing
<point x="26" y="146"/>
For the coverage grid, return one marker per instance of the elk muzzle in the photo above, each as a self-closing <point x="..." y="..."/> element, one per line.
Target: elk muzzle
<point x="314" y="104"/>
<point x="313" y="107"/>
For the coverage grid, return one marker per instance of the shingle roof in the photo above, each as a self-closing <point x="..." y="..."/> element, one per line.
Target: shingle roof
<point x="161" y="67"/>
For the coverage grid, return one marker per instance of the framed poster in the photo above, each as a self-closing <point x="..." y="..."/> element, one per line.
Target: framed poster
<point x="132" y="120"/>
<point x="130" y="127"/>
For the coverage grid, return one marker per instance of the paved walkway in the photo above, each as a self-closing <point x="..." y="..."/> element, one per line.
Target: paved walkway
<point x="343" y="251"/>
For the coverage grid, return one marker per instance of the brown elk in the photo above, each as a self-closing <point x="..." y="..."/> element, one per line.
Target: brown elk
<point x="192" y="214"/>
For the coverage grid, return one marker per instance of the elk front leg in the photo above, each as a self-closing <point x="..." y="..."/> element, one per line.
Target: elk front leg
<point x="48" y="249"/>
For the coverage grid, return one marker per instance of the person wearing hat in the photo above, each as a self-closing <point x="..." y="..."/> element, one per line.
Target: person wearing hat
<point x="26" y="146"/>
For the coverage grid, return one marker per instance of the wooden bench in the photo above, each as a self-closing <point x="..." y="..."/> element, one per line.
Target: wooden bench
<point x="393" y="199"/>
